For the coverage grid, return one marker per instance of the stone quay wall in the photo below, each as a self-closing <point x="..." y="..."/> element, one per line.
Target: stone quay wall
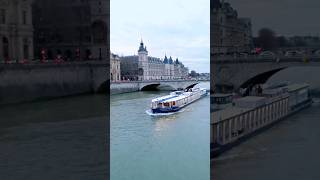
<point x="29" y="82"/>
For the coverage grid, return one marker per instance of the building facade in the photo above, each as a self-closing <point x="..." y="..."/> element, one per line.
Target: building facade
<point x="77" y="29"/>
<point x="229" y="34"/>
<point x="115" y="74"/>
<point x="129" y="67"/>
<point x="145" y="67"/>
<point x="16" y="30"/>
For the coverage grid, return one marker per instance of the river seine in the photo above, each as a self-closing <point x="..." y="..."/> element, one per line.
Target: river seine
<point x="170" y="147"/>
<point x="63" y="139"/>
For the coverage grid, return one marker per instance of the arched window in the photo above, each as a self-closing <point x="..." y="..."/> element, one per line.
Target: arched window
<point x="5" y="43"/>
<point x="99" y="32"/>
<point x="25" y="48"/>
<point x="88" y="54"/>
<point x="50" y="55"/>
<point x="68" y="54"/>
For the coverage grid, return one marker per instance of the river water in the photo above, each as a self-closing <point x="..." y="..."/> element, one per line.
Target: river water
<point x="289" y="150"/>
<point x="61" y="139"/>
<point x="156" y="148"/>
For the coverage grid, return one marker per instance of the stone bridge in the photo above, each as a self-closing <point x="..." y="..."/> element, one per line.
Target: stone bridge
<point x="236" y="73"/>
<point x="27" y="82"/>
<point x="131" y="86"/>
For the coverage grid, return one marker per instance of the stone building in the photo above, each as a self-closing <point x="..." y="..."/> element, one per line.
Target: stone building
<point x="229" y="33"/>
<point x="16" y="30"/>
<point x="129" y="68"/>
<point x="115" y="74"/>
<point x="77" y="29"/>
<point x="144" y="67"/>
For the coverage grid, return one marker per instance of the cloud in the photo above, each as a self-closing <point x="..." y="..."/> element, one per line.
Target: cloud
<point x="286" y="17"/>
<point x="177" y="28"/>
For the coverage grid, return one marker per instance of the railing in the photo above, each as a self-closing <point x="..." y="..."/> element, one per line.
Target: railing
<point x="158" y="80"/>
<point x="48" y="62"/>
<point x="55" y="61"/>
<point x="254" y="59"/>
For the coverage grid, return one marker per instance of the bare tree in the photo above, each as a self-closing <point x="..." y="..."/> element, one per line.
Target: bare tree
<point x="267" y="39"/>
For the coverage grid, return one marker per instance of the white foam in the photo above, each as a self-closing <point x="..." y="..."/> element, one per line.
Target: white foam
<point x="162" y="114"/>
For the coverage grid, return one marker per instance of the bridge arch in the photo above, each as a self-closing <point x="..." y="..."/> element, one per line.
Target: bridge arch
<point x="150" y="87"/>
<point x="104" y="87"/>
<point x="259" y="79"/>
<point x="191" y="86"/>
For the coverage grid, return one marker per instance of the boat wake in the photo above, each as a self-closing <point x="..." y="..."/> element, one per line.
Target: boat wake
<point x="162" y="114"/>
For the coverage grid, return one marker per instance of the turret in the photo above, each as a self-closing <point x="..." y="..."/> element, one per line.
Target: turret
<point x="142" y="48"/>
<point x="143" y="61"/>
<point x="170" y="60"/>
<point x="165" y="61"/>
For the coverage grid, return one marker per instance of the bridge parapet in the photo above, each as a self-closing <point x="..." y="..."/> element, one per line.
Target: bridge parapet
<point x="255" y="59"/>
<point x="131" y="86"/>
<point x="236" y="73"/>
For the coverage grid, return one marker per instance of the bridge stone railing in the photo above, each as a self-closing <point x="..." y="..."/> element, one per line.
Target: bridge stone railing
<point x="233" y="73"/>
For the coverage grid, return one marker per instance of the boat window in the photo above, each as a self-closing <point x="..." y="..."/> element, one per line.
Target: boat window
<point x="166" y="104"/>
<point x="173" y="103"/>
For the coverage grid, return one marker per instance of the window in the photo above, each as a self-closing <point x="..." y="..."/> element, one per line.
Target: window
<point x="24" y="17"/>
<point x="5" y="47"/>
<point x="25" y="48"/>
<point x="2" y="16"/>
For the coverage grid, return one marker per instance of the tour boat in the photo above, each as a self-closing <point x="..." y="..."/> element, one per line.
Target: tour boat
<point x="176" y="100"/>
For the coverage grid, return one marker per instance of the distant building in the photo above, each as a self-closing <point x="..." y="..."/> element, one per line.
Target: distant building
<point x="77" y="30"/>
<point x="229" y="33"/>
<point x="16" y="30"/>
<point x="144" y="67"/>
<point x="154" y="68"/>
<point x="305" y="44"/>
<point x="115" y="74"/>
<point x="129" y="68"/>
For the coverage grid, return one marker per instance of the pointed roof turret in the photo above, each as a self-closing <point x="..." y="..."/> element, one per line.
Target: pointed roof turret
<point x="170" y="60"/>
<point x="165" y="60"/>
<point x="177" y="61"/>
<point x="142" y="47"/>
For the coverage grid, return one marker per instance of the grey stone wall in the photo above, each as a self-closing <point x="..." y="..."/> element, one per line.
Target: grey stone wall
<point x="118" y="88"/>
<point x="28" y="82"/>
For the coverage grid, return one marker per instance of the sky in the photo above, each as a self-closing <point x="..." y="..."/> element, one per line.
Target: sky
<point x="177" y="28"/>
<point x="285" y="17"/>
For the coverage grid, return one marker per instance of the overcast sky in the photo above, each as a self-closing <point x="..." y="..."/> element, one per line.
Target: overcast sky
<point x="173" y="27"/>
<point x="285" y="17"/>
